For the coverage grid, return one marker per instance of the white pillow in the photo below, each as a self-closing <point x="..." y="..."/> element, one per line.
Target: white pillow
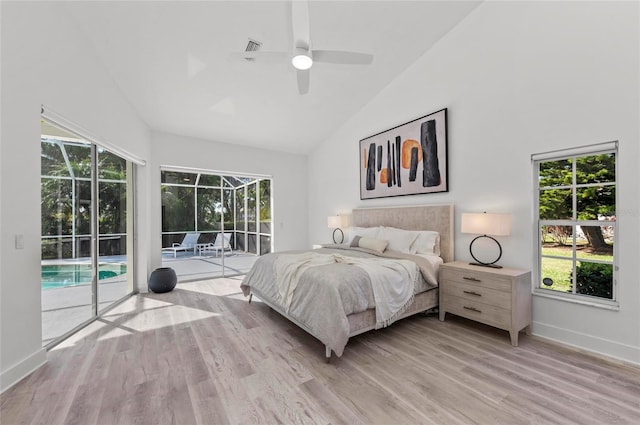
<point x="399" y="240"/>
<point x="373" y="244"/>
<point x="427" y="243"/>
<point x="369" y="232"/>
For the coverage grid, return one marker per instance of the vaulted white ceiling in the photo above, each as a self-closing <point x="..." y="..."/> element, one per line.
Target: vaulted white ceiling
<point x="171" y="60"/>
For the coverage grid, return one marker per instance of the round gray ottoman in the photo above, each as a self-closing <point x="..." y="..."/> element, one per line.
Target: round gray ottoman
<point x="163" y="279"/>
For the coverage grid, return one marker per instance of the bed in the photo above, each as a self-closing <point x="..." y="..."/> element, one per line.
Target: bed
<point x="329" y="285"/>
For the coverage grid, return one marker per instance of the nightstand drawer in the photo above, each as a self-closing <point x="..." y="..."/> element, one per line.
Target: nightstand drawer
<point x="489" y="314"/>
<point x="478" y="293"/>
<point x="487" y="280"/>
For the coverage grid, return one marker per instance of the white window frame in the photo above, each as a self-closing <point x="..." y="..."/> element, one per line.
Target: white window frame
<point x="573" y="153"/>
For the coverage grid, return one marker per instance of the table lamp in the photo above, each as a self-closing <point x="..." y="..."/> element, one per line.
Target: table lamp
<point x="335" y="222"/>
<point x="485" y="224"/>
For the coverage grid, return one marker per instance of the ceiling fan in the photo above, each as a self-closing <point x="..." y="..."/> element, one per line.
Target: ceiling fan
<point x="302" y="55"/>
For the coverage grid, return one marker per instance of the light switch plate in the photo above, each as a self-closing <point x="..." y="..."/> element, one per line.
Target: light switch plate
<point x="19" y="241"/>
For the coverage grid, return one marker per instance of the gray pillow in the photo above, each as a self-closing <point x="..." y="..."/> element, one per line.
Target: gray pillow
<point x="373" y="244"/>
<point x="355" y="242"/>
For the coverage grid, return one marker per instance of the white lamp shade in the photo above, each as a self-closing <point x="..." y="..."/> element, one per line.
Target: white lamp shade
<point x="486" y="224"/>
<point x="336" y="221"/>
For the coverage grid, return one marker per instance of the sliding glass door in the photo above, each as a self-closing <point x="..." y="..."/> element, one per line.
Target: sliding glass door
<point x="67" y="297"/>
<point x="86" y="226"/>
<point x="114" y="183"/>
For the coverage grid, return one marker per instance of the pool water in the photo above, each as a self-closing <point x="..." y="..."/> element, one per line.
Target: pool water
<point x="63" y="275"/>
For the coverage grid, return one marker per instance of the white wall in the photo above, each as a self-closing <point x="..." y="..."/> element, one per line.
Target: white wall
<point x="45" y="61"/>
<point x="289" y="173"/>
<point x="518" y="78"/>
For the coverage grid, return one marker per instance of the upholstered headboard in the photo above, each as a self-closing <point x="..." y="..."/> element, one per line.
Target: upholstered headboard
<point x="438" y="218"/>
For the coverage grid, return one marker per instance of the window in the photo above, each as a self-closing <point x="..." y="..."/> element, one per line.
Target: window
<point x="576" y="223"/>
<point x="206" y="203"/>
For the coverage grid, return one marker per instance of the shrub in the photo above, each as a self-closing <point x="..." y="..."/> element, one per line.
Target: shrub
<point x="559" y="234"/>
<point x="594" y="279"/>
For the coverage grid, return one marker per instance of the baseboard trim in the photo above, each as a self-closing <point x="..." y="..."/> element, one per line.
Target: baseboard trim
<point x="17" y="372"/>
<point x="599" y="346"/>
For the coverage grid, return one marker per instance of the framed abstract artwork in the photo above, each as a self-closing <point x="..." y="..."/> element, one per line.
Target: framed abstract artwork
<point x="409" y="159"/>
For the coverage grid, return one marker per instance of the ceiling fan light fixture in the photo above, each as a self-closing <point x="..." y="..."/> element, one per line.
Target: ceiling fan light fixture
<point x="302" y="60"/>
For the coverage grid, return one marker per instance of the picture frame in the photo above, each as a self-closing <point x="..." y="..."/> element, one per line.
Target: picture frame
<point x="409" y="159"/>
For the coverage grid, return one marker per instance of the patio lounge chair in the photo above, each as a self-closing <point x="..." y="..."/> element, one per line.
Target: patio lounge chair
<point x="188" y="244"/>
<point x="222" y="243"/>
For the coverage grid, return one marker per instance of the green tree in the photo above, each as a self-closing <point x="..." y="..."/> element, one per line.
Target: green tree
<point x="596" y="201"/>
<point x="178" y="209"/>
<point x="265" y="200"/>
<point x="60" y="206"/>
<point x="592" y="201"/>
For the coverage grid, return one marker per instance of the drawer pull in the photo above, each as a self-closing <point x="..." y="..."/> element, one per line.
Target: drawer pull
<point x="473" y="279"/>
<point x="472" y="293"/>
<point x="472" y="309"/>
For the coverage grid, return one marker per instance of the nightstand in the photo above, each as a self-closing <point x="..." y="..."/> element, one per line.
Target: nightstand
<point x="496" y="297"/>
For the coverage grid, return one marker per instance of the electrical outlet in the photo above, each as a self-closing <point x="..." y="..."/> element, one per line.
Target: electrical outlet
<point x="19" y="241"/>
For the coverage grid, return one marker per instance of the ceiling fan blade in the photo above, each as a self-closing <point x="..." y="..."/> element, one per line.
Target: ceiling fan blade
<point x="341" y="57"/>
<point x="261" y="56"/>
<point x="303" y="80"/>
<point x="300" y="24"/>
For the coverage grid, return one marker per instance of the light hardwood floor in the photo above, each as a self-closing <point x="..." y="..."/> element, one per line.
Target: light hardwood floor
<point x="202" y="354"/>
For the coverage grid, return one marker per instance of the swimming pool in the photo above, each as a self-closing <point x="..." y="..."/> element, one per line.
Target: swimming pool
<point x="63" y="275"/>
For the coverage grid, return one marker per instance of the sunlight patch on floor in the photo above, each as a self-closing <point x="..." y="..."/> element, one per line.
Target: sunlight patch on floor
<point x="159" y="314"/>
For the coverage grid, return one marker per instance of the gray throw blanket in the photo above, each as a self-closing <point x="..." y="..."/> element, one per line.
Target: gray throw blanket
<point x="325" y="295"/>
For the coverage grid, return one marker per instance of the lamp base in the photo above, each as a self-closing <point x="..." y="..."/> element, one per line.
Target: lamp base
<point x="341" y="236"/>
<point x="493" y="266"/>
<point x="480" y="263"/>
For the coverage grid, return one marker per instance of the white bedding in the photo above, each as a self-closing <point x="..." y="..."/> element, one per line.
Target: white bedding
<point x="392" y="281"/>
<point x="325" y="295"/>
